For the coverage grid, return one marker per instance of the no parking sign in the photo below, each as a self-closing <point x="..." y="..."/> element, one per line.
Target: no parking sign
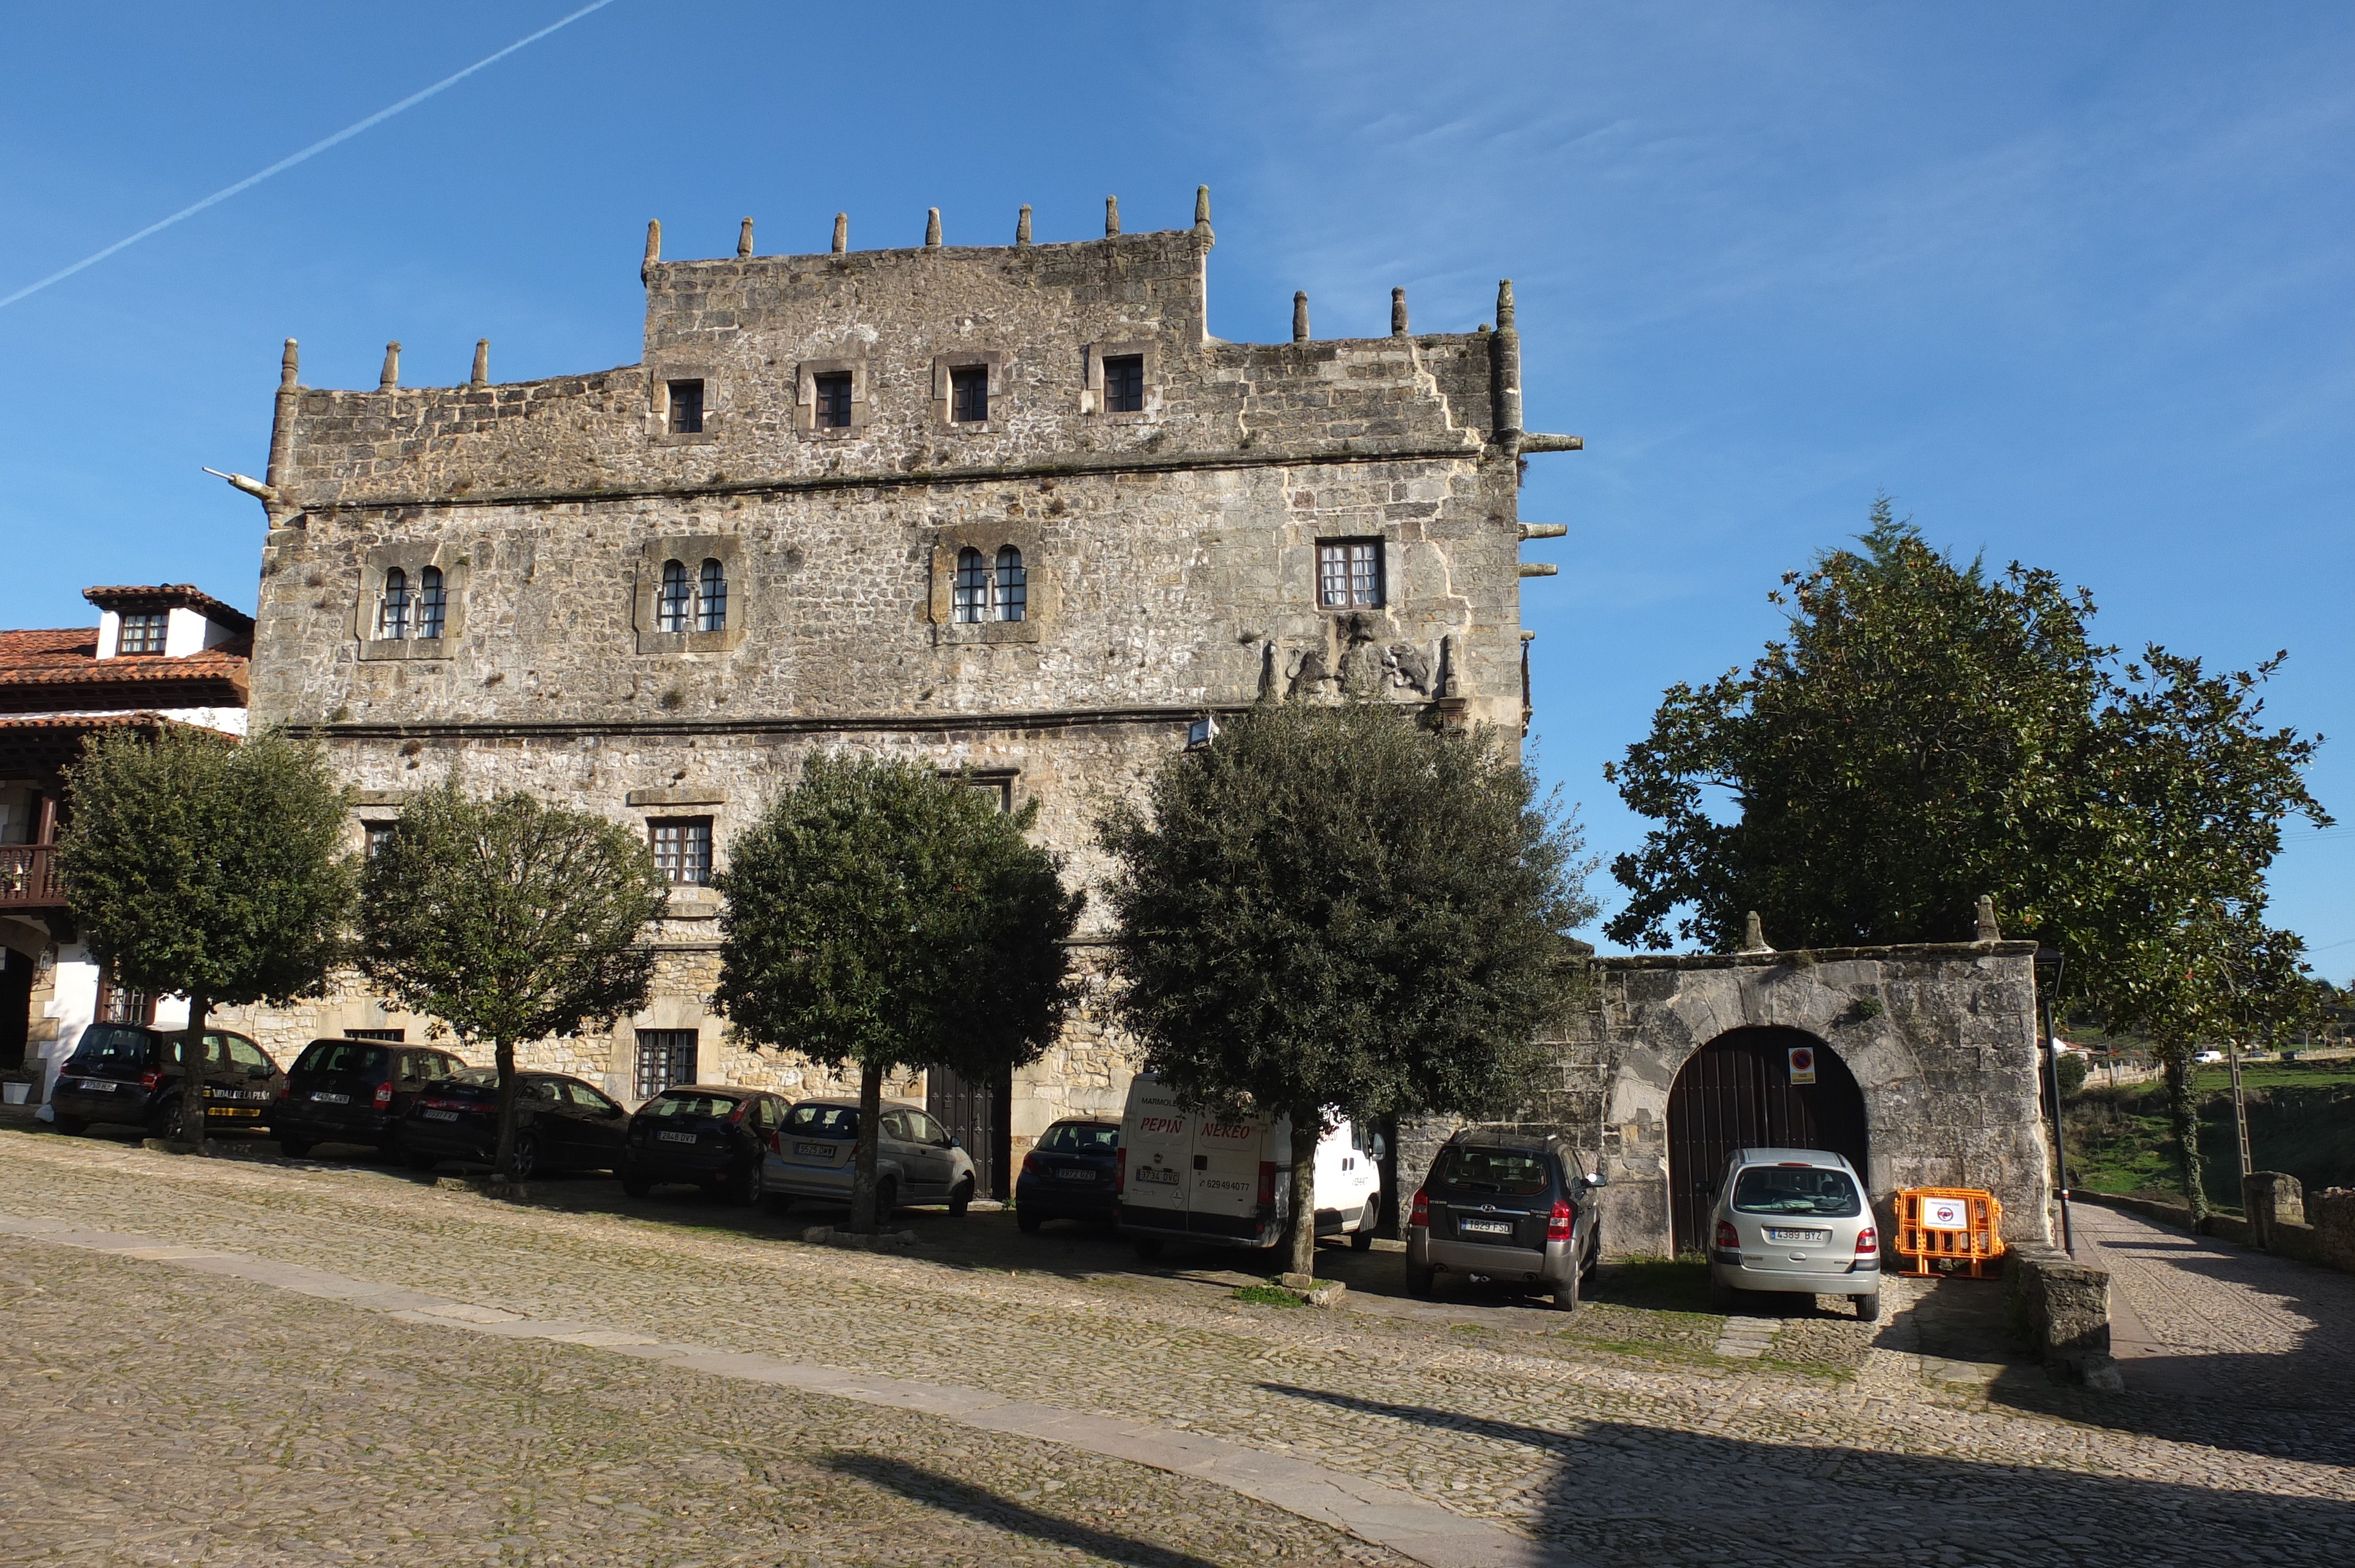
<point x="1802" y="1064"/>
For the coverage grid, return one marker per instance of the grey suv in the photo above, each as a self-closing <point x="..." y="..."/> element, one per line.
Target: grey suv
<point x="1507" y="1206"/>
<point x="1794" y="1219"/>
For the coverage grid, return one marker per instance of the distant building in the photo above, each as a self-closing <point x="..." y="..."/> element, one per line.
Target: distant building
<point x="159" y="656"/>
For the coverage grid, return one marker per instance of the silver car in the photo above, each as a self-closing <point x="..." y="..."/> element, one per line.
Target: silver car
<point x="1794" y="1219"/>
<point x="815" y="1155"/>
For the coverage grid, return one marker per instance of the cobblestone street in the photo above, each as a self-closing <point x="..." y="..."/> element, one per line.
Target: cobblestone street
<point x="1624" y="1437"/>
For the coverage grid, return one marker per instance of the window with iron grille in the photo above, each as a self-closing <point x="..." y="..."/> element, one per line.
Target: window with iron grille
<point x="379" y="835"/>
<point x="685" y="408"/>
<point x="142" y="633"/>
<point x="1012" y="585"/>
<point x="1124" y="378"/>
<point x="121" y="1004"/>
<point x="683" y="849"/>
<point x="969" y="394"/>
<point x="670" y="605"/>
<point x="712" y="599"/>
<point x="433" y="602"/>
<point x="665" y="1059"/>
<point x="1349" y="573"/>
<point x="972" y="597"/>
<point x="833" y="399"/>
<point x="392" y="609"/>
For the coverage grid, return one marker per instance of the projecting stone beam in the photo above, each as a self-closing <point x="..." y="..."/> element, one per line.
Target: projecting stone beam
<point x="1538" y="441"/>
<point x="1539" y="568"/>
<point x="1544" y="530"/>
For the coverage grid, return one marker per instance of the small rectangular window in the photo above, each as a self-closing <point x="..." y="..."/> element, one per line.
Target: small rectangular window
<point x="1349" y="574"/>
<point x="683" y="849"/>
<point x="685" y="408"/>
<point x="144" y="633"/>
<point x="833" y="399"/>
<point x="665" y="1057"/>
<point x="1124" y="379"/>
<point x="969" y="394"/>
<point x="379" y="835"/>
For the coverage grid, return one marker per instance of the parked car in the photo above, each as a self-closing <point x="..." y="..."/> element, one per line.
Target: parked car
<point x="1511" y="1207"/>
<point x="2209" y="1058"/>
<point x="561" y="1124"/>
<point x="1070" y="1173"/>
<point x="355" y="1091"/>
<point x="1794" y="1219"/>
<point x="916" y="1162"/>
<point x="711" y="1136"/>
<point x="131" y="1074"/>
<point x="1185" y="1176"/>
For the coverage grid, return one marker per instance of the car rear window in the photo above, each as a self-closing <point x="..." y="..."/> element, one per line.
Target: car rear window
<point x="678" y="1104"/>
<point x="476" y="1077"/>
<point x="823" y="1121"/>
<point x="1521" y="1172"/>
<point x="344" y="1057"/>
<point x="1080" y="1138"/>
<point x="110" y="1046"/>
<point x="1795" y="1190"/>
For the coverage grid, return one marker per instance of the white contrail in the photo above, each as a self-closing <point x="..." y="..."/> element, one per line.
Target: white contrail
<point x="313" y="149"/>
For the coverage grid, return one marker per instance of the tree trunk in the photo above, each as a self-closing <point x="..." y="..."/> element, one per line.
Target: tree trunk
<point x="503" y="1156"/>
<point x="2183" y="1119"/>
<point x="1304" y="1130"/>
<point x="194" y="1061"/>
<point x="863" y="1217"/>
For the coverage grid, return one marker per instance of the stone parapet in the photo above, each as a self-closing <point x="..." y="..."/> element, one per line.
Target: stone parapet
<point x="2063" y="1309"/>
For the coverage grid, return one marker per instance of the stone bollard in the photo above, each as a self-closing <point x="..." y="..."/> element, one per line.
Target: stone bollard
<point x="2271" y="1198"/>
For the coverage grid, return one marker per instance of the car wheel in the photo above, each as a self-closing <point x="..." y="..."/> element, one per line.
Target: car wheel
<point x="1362" y="1238"/>
<point x="1867" y="1307"/>
<point x="1418" y="1279"/>
<point x="420" y="1160"/>
<point x="526" y="1155"/>
<point x="750" y="1185"/>
<point x="1028" y="1222"/>
<point x="1148" y="1247"/>
<point x="638" y="1186"/>
<point x="70" y="1125"/>
<point x="962" y="1199"/>
<point x="1565" y="1299"/>
<point x="887" y="1198"/>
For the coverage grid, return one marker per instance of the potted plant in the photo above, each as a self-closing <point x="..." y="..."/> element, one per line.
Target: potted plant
<point x="17" y="1083"/>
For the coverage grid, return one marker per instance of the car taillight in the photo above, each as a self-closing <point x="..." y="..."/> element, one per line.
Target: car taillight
<point x="1867" y="1240"/>
<point x="777" y="1142"/>
<point x="1558" y="1222"/>
<point x="737" y="1115"/>
<point x="1728" y="1238"/>
<point x="1420" y="1213"/>
<point x="149" y="1080"/>
<point x="1120" y="1172"/>
<point x="1030" y="1165"/>
<point x="1267" y="1183"/>
<point x="383" y="1095"/>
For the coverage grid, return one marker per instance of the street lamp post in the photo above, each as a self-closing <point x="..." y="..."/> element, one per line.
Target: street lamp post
<point x="2051" y="967"/>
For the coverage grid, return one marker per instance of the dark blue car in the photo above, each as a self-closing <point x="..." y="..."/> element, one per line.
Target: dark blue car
<point x="1070" y="1175"/>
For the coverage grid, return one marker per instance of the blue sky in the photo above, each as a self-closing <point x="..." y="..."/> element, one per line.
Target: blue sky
<point x="2071" y="282"/>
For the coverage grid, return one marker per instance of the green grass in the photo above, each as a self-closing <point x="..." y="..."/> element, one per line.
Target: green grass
<point x="2301" y="1120"/>
<point x="1268" y="1296"/>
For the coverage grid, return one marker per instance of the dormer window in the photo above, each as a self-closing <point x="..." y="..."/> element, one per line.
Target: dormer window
<point x="144" y="633"/>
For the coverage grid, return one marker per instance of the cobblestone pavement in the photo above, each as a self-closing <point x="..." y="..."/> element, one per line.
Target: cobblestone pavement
<point x="1627" y="1437"/>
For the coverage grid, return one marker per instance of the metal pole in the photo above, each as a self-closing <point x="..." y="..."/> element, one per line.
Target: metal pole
<point x="2052" y="1077"/>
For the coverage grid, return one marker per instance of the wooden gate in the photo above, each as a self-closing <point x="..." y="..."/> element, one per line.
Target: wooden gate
<point x="976" y="1113"/>
<point x="1736" y="1092"/>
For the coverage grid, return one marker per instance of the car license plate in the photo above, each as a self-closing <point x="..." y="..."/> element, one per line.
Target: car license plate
<point x="1156" y="1175"/>
<point x="814" y="1150"/>
<point x="1488" y="1227"/>
<point x="98" y="1085"/>
<point x="327" y="1099"/>
<point x="675" y="1137"/>
<point x="441" y="1116"/>
<point x="1799" y="1238"/>
<point x="1075" y="1175"/>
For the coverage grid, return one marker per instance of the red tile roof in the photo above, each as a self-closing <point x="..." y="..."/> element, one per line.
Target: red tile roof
<point x="60" y="668"/>
<point x="169" y="596"/>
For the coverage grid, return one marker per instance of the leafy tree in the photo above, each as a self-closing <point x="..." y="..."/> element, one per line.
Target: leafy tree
<point x="509" y="920"/>
<point x="1929" y="732"/>
<point x="197" y="865"/>
<point x="884" y="916"/>
<point x="1333" y="910"/>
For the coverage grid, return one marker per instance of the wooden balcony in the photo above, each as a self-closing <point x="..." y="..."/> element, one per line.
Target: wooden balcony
<point x="28" y="877"/>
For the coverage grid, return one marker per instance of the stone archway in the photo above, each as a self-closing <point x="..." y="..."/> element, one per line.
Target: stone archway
<point x="1738" y="1091"/>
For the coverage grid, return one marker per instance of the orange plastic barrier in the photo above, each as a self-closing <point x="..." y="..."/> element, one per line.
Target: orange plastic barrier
<point x="1950" y="1230"/>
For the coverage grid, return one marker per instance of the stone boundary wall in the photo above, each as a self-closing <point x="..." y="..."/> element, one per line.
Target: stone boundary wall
<point x="2062" y="1308"/>
<point x="2324" y="1236"/>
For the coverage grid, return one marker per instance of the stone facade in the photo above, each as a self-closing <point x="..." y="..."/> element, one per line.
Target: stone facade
<point x="1941" y="1040"/>
<point x="1171" y="552"/>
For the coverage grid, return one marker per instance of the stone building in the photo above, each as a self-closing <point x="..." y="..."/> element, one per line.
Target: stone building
<point x="161" y="656"/>
<point x="1009" y="508"/>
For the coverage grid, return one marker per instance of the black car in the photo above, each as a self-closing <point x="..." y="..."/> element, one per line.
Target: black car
<point x="561" y="1124"/>
<point x="131" y="1074"/>
<point x="355" y="1091"/>
<point x="1513" y="1208"/>
<point x="713" y="1136"/>
<point x="1070" y="1175"/>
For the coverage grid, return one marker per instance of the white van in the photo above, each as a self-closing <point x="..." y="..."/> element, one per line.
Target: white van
<point x="1185" y="1177"/>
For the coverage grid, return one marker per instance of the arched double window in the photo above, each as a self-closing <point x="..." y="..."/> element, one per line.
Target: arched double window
<point x="1012" y="585"/>
<point x="392" y="607"/>
<point x="711" y="598"/>
<point x="697" y="605"/>
<point x="433" y="602"/>
<point x="987" y="590"/>
<point x="972" y="587"/>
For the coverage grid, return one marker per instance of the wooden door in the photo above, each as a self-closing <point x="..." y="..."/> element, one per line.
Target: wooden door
<point x="1735" y="1093"/>
<point x="976" y="1113"/>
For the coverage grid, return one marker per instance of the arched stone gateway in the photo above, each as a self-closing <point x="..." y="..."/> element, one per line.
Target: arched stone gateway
<point x="1939" y="1040"/>
<point x="1770" y="1087"/>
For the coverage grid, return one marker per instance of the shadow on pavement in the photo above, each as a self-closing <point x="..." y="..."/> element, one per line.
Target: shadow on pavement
<point x="984" y="1507"/>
